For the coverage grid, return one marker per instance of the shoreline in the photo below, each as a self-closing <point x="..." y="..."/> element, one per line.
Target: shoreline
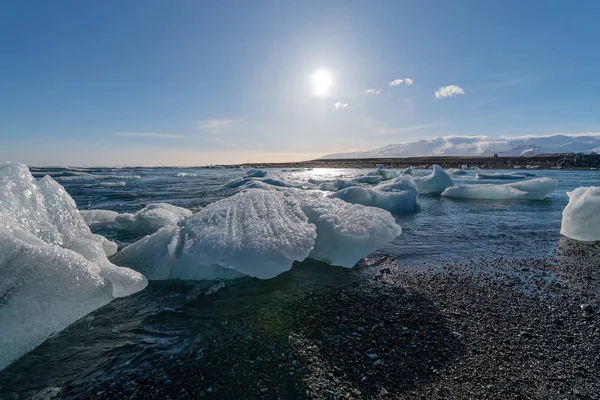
<point x="545" y="161"/>
<point x="497" y="329"/>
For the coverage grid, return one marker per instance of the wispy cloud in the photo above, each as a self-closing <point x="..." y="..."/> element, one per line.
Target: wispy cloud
<point x="398" y="82"/>
<point x="339" y="105"/>
<point x="150" y="135"/>
<point x="216" y="125"/>
<point x="449" y="91"/>
<point x="371" y="92"/>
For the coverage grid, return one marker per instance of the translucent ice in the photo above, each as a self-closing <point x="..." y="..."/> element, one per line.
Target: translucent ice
<point x="257" y="173"/>
<point x="151" y="218"/>
<point x="261" y="233"/>
<point x="53" y="270"/>
<point x="96" y="218"/>
<point x="435" y="183"/>
<point x="398" y="196"/>
<point x="534" y="189"/>
<point x="500" y="175"/>
<point x="581" y="217"/>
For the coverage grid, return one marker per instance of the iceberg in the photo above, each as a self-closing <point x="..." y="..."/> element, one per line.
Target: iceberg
<point x="407" y="171"/>
<point x="398" y="196"/>
<point x="151" y="218"/>
<point x="333" y="186"/>
<point x="53" y="270"/>
<point x="500" y="175"/>
<point x="435" y="183"/>
<point x="534" y="189"/>
<point x="261" y="233"/>
<point x="369" y="179"/>
<point x="257" y="173"/>
<point x="581" y="217"/>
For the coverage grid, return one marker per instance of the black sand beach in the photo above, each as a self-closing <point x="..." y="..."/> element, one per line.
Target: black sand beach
<point x="495" y="329"/>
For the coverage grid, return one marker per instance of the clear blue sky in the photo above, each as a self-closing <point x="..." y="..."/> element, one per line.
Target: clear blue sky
<point x="196" y="82"/>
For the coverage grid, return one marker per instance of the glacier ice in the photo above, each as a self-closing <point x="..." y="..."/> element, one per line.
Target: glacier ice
<point x="398" y="196"/>
<point x="407" y="171"/>
<point x="261" y="233"/>
<point x="500" y="175"/>
<point x="53" y="270"/>
<point x="435" y="183"/>
<point x="333" y="186"/>
<point x="97" y="218"/>
<point x="151" y="218"/>
<point x="456" y="171"/>
<point x="581" y="217"/>
<point x="534" y="189"/>
<point x="257" y="173"/>
<point x="370" y="179"/>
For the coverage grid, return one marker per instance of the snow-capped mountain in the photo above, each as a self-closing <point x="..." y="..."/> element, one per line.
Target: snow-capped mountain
<point x="483" y="145"/>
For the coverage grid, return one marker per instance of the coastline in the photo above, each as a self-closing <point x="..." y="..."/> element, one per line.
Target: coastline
<point x="546" y="161"/>
<point x="497" y="329"/>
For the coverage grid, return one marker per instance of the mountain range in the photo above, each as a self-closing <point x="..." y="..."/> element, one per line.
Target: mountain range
<point x="483" y="146"/>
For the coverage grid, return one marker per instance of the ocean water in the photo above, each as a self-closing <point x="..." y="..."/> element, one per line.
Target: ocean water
<point x="170" y="318"/>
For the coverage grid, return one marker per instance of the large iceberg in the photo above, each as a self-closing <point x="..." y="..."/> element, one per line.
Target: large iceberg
<point x="435" y="183"/>
<point x="581" y="217"/>
<point x="261" y="233"/>
<point x="151" y="218"/>
<point x="398" y="196"/>
<point x="534" y="189"/>
<point x="53" y="270"/>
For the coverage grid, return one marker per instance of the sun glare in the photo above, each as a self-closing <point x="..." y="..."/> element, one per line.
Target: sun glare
<point x="322" y="82"/>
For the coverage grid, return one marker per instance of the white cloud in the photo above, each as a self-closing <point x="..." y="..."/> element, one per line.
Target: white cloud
<point x="339" y="105"/>
<point x="214" y="125"/>
<point x="398" y="82"/>
<point x="449" y="91"/>
<point x="370" y="91"/>
<point x="150" y="135"/>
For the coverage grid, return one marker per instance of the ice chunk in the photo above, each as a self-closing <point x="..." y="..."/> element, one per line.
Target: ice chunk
<point x="186" y="175"/>
<point x="407" y="171"/>
<point x="257" y="173"/>
<point x="387" y="174"/>
<point x="96" y="218"/>
<point x="398" y="196"/>
<point x="53" y="270"/>
<point x="237" y="182"/>
<point x="500" y="175"/>
<point x="333" y="186"/>
<point x="435" y="183"/>
<point x="261" y="233"/>
<point x="110" y="247"/>
<point x="581" y="217"/>
<point x="370" y="179"/>
<point x="151" y="218"/>
<point x="534" y="189"/>
<point x="456" y="171"/>
<point x="346" y="232"/>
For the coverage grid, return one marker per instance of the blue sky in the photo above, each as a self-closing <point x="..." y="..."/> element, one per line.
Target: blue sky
<point x="198" y="82"/>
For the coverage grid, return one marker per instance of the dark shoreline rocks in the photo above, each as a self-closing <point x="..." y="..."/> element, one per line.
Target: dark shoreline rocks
<point x="485" y="329"/>
<point x="543" y="161"/>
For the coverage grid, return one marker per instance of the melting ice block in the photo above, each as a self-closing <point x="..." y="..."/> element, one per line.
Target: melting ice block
<point x="398" y="196"/>
<point x="257" y="173"/>
<point x="151" y="218"/>
<point x="96" y="218"/>
<point x="53" y="270"/>
<point x="500" y="175"/>
<point x="261" y="233"/>
<point x="435" y="183"/>
<point x="456" y="171"/>
<point x="534" y="189"/>
<point x="581" y="217"/>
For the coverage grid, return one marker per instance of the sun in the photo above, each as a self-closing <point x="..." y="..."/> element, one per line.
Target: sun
<point x="322" y="82"/>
